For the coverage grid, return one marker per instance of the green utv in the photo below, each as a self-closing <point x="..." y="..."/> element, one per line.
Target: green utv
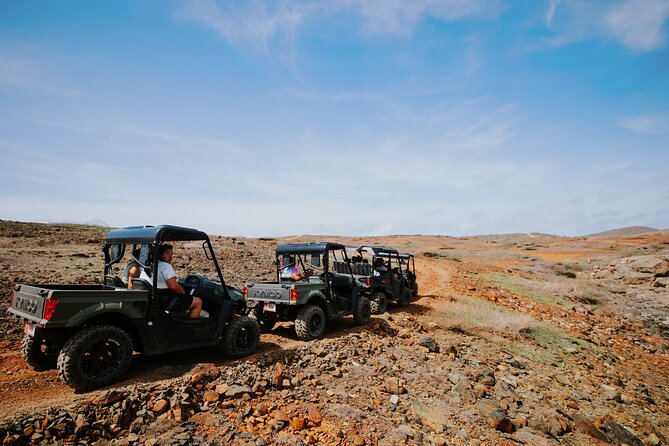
<point x="89" y="332"/>
<point x="319" y="294"/>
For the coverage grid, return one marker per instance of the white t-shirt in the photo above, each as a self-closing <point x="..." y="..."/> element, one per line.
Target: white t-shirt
<point x="165" y="272"/>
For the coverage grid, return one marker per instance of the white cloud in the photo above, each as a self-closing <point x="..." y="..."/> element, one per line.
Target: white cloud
<point x="551" y="11"/>
<point x="634" y="24"/>
<point x="647" y="124"/>
<point x="637" y="24"/>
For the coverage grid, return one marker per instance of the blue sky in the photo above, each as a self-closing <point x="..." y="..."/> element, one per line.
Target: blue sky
<point x="374" y="117"/>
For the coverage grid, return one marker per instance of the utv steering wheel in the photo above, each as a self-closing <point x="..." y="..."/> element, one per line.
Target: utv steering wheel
<point x="192" y="280"/>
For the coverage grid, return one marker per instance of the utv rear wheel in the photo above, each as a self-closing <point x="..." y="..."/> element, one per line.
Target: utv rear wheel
<point x="310" y="323"/>
<point x="378" y="303"/>
<point x="39" y="353"/>
<point x="95" y="357"/>
<point x="241" y="337"/>
<point x="363" y="311"/>
<point x="265" y="321"/>
<point x="414" y="292"/>
<point x="405" y="299"/>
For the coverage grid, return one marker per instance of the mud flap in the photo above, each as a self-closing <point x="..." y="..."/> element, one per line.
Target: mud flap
<point x="223" y="316"/>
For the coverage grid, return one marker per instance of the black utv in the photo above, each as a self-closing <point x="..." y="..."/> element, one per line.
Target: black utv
<point x="385" y="274"/>
<point x="318" y="294"/>
<point x="89" y="332"/>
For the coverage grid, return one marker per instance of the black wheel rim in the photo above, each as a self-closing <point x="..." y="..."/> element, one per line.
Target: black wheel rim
<point x="244" y="339"/>
<point x="101" y="359"/>
<point x="315" y="323"/>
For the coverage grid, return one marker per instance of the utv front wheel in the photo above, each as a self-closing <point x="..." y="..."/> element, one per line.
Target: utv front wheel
<point x="414" y="293"/>
<point x="310" y="323"/>
<point x="378" y="303"/>
<point x="39" y="353"/>
<point x="95" y="357"/>
<point x="241" y="337"/>
<point x="363" y="311"/>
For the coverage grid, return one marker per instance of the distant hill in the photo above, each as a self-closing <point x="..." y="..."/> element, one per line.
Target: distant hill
<point x="629" y="231"/>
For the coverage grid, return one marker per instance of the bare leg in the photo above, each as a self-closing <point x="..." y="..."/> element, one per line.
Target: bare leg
<point x="195" y="308"/>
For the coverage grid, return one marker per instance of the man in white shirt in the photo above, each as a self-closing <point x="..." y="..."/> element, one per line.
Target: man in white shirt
<point x="167" y="286"/>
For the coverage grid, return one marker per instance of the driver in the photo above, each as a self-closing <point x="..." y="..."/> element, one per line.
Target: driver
<point x="167" y="286"/>
<point x="291" y="272"/>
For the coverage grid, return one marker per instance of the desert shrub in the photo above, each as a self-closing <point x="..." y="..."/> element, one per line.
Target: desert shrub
<point x="437" y="255"/>
<point x="476" y="316"/>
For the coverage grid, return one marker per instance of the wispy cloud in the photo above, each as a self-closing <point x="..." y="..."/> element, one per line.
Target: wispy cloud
<point x="637" y="24"/>
<point x="634" y="24"/>
<point x="23" y="73"/>
<point x="647" y="124"/>
<point x="265" y="26"/>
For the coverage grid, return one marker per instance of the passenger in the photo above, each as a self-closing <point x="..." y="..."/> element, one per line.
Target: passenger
<point x="132" y="270"/>
<point x="380" y="268"/>
<point x="167" y="286"/>
<point x="291" y="272"/>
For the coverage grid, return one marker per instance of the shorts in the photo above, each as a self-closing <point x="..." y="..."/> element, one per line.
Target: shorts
<point x="166" y="298"/>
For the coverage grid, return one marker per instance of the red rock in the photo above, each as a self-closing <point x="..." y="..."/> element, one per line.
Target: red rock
<point x="161" y="406"/>
<point x="297" y="423"/>
<point x="281" y="415"/>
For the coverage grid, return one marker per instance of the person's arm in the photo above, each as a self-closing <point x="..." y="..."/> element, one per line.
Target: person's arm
<point x="174" y="286"/>
<point x="133" y="273"/>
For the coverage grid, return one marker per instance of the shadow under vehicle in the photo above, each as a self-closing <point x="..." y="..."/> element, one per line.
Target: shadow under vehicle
<point x="385" y="275"/>
<point x="324" y="294"/>
<point x="89" y="332"/>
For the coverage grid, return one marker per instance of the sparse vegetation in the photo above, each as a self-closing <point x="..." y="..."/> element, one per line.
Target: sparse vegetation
<point x="553" y="344"/>
<point x="525" y="288"/>
<point x="476" y="316"/>
<point x="450" y="257"/>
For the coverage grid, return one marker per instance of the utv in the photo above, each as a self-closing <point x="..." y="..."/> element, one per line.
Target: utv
<point x="89" y="332"/>
<point x="385" y="274"/>
<point x="323" y="294"/>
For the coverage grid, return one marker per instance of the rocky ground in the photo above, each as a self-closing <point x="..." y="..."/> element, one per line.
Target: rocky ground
<point x="519" y="339"/>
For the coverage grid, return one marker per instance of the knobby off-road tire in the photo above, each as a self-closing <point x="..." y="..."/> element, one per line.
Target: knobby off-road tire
<point x="378" y="302"/>
<point x="265" y="321"/>
<point x="414" y="292"/>
<point x="240" y="337"/>
<point x="95" y="357"/>
<point x="363" y="311"/>
<point x="405" y="299"/>
<point x="310" y="323"/>
<point x="39" y="353"/>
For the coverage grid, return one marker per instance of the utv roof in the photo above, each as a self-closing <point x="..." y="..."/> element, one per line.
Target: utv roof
<point x="153" y="234"/>
<point x="308" y="248"/>
<point x="378" y="251"/>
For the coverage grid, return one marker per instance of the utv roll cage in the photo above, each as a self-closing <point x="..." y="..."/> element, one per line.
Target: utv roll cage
<point x="150" y="238"/>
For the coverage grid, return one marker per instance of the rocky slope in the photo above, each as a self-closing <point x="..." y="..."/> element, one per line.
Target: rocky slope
<point x="504" y="345"/>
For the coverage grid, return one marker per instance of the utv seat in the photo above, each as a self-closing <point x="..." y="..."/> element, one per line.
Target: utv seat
<point x="141" y="284"/>
<point x="115" y="281"/>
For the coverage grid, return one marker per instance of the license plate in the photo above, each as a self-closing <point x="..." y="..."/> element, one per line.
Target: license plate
<point x="29" y="329"/>
<point x="270" y="306"/>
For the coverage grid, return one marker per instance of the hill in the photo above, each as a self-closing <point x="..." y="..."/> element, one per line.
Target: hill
<point x="629" y="231"/>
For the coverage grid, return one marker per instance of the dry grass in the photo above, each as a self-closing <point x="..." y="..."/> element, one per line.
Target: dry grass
<point x="479" y="317"/>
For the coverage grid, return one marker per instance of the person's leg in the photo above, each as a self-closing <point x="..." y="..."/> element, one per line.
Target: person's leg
<point x="195" y="308"/>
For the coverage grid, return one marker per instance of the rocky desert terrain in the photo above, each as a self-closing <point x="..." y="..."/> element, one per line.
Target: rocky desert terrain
<point x="524" y="339"/>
